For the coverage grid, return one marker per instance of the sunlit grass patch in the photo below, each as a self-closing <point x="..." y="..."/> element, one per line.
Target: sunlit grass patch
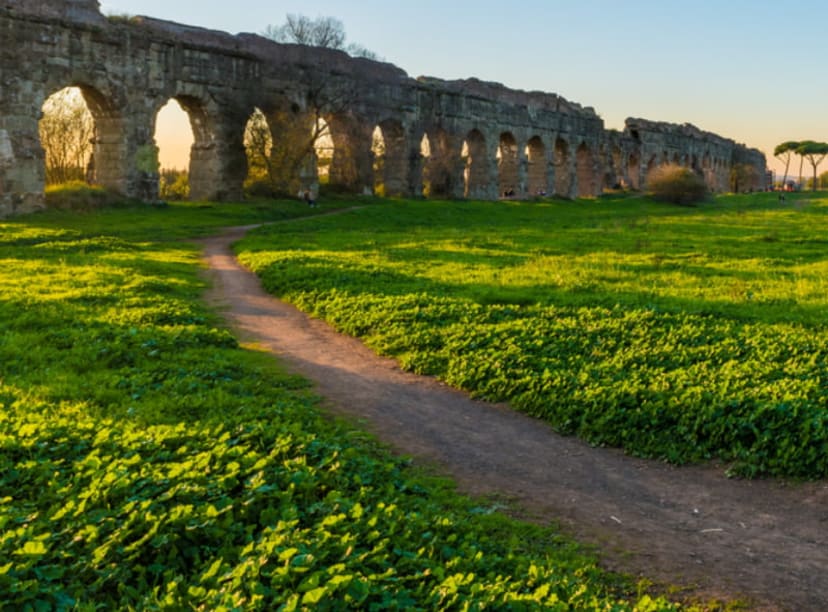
<point x="676" y="333"/>
<point x="148" y="461"/>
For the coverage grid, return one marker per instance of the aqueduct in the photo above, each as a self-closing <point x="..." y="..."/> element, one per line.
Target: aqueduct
<point x="453" y="138"/>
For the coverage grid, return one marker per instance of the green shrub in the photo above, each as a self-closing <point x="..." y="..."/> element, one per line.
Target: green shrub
<point x="174" y="185"/>
<point x="80" y="196"/>
<point x="676" y="184"/>
<point x="259" y="188"/>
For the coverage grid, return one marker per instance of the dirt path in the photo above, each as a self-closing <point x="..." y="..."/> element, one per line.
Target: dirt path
<point x="763" y="540"/>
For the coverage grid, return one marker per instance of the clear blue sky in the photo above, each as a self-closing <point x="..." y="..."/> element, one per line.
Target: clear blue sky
<point x="735" y="67"/>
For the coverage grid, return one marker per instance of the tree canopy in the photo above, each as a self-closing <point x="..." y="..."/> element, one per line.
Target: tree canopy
<point x="815" y="153"/>
<point x="783" y="152"/>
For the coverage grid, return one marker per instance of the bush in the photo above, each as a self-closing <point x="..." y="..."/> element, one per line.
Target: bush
<point x="676" y="184"/>
<point x="80" y="196"/>
<point x="259" y="188"/>
<point x="174" y="185"/>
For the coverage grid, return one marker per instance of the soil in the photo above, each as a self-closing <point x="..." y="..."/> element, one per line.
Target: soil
<point x="764" y="542"/>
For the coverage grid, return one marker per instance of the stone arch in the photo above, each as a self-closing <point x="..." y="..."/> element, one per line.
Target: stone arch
<point x="202" y="163"/>
<point x="218" y="165"/>
<point x="390" y="158"/>
<point x="563" y="175"/>
<point x="66" y="131"/>
<point x="537" y="176"/>
<point x="476" y="169"/>
<point x="291" y="135"/>
<point x="508" y="165"/>
<point x="585" y="169"/>
<point x="438" y="164"/>
<point x="106" y="164"/>
<point x="173" y="138"/>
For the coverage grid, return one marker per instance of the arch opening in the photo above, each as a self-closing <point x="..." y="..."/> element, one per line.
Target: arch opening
<point x="258" y="147"/>
<point x="508" y="166"/>
<point x="475" y="173"/>
<point x="378" y="151"/>
<point x="389" y="159"/>
<point x="174" y="141"/>
<point x="437" y="164"/>
<point x="324" y="148"/>
<point x="67" y="135"/>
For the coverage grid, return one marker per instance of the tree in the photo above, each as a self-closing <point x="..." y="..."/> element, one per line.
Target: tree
<point x="290" y="159"/>
<point x="743" y="178"/>
<point x="783" y="152"/>
<point x="286" y="163"/>
<point x="326" y="32"/>
<point x="815" y="153"/>
<point x="66" y="130"/>
<point x="258" y="143"/>
<point x="676" y="184"/>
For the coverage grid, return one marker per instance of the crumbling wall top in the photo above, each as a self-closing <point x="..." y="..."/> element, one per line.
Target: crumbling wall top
<point x="497" y="91"/>
<point x="82" y="11"/>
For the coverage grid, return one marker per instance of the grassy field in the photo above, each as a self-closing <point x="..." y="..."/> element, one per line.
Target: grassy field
<point x="147" y="461"/>
<point x="674" y="332"/>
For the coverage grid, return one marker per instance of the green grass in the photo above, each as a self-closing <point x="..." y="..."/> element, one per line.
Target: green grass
<point x="677" y="333"/>
<point x="147" y="461"/>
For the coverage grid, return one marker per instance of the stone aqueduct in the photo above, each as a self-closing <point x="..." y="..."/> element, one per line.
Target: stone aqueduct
<point x="482" y="138"/>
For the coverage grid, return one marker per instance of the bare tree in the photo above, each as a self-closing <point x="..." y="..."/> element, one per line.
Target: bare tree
<point x="67" y="130"/>
<point x="327" y="32"/>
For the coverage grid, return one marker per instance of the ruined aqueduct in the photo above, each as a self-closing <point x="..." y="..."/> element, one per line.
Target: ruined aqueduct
<point x="482" y="137"/>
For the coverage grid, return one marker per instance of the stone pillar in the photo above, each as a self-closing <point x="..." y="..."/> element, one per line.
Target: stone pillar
<point x="395" y="162"/>
<point x="22" y="170"/>
<point x="483" y="183"/>
<point x="523" y="173"/>
<point x="416" y="167"/>
<point x="136" y="147"/>
<point x="218" y="165"/>
<point x="352" y="168"/>
<point x="83" y="11"/>
<point x="22" y="167"/>
<point x="110" y="154"/>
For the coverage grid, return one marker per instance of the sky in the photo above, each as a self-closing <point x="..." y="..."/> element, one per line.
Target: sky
<point x="738" y="68"/>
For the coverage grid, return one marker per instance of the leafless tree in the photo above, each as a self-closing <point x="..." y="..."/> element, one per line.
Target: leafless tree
<point x="67" y="130"/>
<point x="327" y="32"/>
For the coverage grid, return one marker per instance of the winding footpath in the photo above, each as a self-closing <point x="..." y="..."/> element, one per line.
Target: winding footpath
<point x="765" y="541"/>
